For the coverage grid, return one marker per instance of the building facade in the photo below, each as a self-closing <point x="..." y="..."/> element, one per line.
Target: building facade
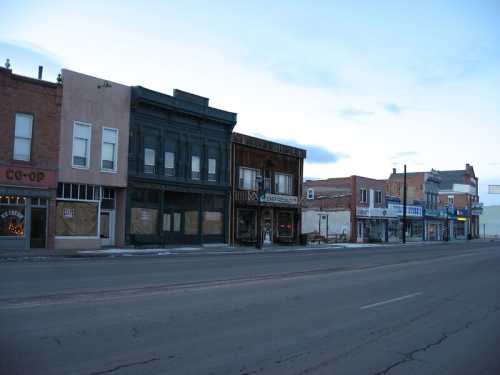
<point x="266" y="191"/>
<point x="355" y="205"/>
<point x="458" y="192"/>
<point x="29" y="122"/>
<point x="179" y="169"/>
<point x="92" y="181"/>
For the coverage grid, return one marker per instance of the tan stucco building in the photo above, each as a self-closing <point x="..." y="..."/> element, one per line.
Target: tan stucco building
<point x="93" y="156"/>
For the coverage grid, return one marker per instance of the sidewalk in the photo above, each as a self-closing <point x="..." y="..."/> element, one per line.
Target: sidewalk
<point x="221" y="249"/>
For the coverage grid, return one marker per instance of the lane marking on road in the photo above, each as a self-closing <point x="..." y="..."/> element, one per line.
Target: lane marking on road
<point x="390" y="301"/>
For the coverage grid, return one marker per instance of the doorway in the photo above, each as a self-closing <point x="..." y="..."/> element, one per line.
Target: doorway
<point x="107" y="227"/>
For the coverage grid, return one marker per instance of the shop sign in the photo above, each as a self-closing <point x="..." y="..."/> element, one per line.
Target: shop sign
<point x="415" y="211"/>
<point x="68" y="213"/>
<point x="476" y="212"/>
<point x="375" y="212"/>
<point x="281" y="199"/>
<point x="24" y="176"/>
<point x="12" y="213"/>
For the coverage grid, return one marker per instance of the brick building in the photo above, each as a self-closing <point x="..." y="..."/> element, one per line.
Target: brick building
<point x="352" y="208"/>
<point x="29" y="152"/>
<point x="459" y="192"/>
<point x="266" y="191"/>
<point x="425" y="218"/>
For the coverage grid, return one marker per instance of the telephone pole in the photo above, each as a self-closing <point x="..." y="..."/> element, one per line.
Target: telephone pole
<point x="404" y="205"/>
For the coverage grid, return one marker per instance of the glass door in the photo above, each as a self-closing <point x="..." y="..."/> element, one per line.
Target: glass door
<point x="107" y="224"/>
<point x="38" y="231"/>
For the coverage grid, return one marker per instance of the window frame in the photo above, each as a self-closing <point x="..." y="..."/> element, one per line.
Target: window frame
<point x="88" y="149"/>
<point x="276" y="183"/>
<point x="212" y="177"/>
<point x="165" y="168"/>
<point x="310" y="193"/>
<point x="198" y="178"/>
<point x="378" y="193"/>
<point x="255" y="185"/>
<point x="15" y="137"/>
<point x="363" y="195"/>
<point x="149" y="165"/>
<point x="115" y="161"/>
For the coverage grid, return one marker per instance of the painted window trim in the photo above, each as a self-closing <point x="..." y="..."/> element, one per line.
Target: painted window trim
<point x="89" y="146"/>
<point x="115" y="169"/>
<point x="31" y="139"/>
<point x="276" y="183"/>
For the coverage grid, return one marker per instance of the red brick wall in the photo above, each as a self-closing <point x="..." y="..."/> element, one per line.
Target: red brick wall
<point x="414" y="184"/>
<point x="42" y="100"/>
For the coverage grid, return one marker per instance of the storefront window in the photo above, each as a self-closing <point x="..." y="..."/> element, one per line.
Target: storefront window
<point x="213" y="223"/>
<point x="246" y="225"/>
<point x="76" y="219"/>
<point x="143" y="221"/>
<point x="191" y="222"/>
<point x="460" y="228"/>
<point x="12" y="221"/>
<point x="285" y="224"/>
<point x="415" y="229"/>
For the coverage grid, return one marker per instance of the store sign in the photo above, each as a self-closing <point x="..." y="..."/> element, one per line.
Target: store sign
<point x="276" y="198"/>
<point x="23" y="176"/>
<point x="68" y="213"/>
<point x="11" y="213"/>
<point x="476" y="212"/>
<point x="375" y="212"/>
<point x="414" y="211"/>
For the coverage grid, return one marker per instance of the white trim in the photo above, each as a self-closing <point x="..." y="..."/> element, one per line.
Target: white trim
<point x="115" y="169"/>
<point x="89" y="146"/>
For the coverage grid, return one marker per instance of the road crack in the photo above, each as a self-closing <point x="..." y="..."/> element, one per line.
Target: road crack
<point x="410" y="356"/>
<point x="124" y="366"/>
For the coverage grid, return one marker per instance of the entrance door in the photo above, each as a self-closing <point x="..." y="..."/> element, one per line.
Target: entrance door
<point x="38" y="230"/>
<point x="267" y="227"/>
<point x="107" y="226"/>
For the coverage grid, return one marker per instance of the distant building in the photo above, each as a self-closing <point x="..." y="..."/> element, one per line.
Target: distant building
<point x="425" y="219"/>
<point x="29" y="152"/>
<point x="179" y="168"/>
<point x="459" y="191"/>
<point x="266" y="191"/>
<point x="350" y="208"/>
<point x="490" y="222"/>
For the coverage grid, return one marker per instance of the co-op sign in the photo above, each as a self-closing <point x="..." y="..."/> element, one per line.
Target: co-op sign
<point x="23" y="176"/>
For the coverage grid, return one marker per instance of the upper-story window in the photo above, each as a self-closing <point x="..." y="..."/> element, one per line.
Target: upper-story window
<point x="109" y="149"/>
<point x="195" y="167"/>
<point x="169" y="163"/>
<point x="451" y="200"/>
<point x="248" y="178"/>
<point x="149" y="160"/>
<point x="310" y="193"/>
<point x="23" y="135"/>
<point x="283" y="183"/>
<point x="378" y="197"/>
<point x="81" y="145"/>
<point x="363" y="196"/>
<point x="212" y="169"/>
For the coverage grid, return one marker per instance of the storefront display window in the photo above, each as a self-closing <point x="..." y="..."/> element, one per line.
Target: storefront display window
<point x="460" y="228"/>
<point x="415" y="229"/>
<point x="213" y="223"/>
<point x="191" y="222"/>
<point x="12" y="221"/>
<point x="246" y="230"/>
<point x="143" y="220"/>
<point x="285" y="224"/>
<point x="76" y="218"/>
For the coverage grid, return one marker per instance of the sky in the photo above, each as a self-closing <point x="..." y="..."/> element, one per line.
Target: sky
<point x="364" y="86"/>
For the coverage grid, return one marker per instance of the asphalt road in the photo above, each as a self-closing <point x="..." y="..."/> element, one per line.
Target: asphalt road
<point x="431" y="309"/>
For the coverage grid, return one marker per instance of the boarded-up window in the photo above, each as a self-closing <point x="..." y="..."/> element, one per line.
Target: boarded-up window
<point x="76" y="219"/>
<point x="213" y="223"/>
<point x="143" y="220"/>
<point x="191" y="222"/>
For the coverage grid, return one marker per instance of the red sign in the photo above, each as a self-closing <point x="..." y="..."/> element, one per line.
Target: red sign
<point x="24" y="176"/>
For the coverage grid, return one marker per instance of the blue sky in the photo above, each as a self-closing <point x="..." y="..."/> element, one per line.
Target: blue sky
<point x="366" y="86"/>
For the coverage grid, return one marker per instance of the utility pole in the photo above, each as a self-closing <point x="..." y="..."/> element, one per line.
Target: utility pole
<point x="404" y="205"/>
